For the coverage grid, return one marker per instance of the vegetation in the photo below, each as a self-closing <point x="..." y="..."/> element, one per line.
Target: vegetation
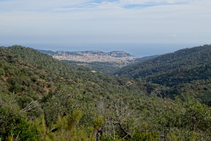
<point x="44" y="99"/>
<point x="171" y="69"/>
<point x="105" y="67"/>
<point x="186" y="71"/>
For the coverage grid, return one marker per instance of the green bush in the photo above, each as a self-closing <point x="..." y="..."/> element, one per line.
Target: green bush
<point x="2" y="72"/>
<point x="14" y="123"/>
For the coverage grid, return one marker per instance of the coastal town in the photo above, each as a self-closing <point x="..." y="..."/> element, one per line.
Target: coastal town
<point x="94" y="56"/>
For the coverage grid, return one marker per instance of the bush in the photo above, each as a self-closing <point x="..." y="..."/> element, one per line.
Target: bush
<point x="2" y="72"/>
<point x="14" y="123"/>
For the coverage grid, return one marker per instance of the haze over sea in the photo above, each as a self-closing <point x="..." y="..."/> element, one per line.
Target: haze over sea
<point x="138" y="50"/>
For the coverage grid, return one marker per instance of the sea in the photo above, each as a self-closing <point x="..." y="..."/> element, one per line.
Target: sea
<point x="138" y="50"/>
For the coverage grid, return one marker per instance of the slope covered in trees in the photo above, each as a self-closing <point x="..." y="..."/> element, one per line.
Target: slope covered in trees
<point x="171" y="69"/>
<point x="184" y="72"/>
<point x="44" y="99"/>
<point x="38" y="84"/>
<point x="63" y="72"/>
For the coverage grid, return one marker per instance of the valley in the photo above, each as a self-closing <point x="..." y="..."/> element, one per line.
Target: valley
<point x="164" y="97"/>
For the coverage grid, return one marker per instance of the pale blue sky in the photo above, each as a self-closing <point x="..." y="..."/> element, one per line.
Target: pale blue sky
<point x="84" y="22"/>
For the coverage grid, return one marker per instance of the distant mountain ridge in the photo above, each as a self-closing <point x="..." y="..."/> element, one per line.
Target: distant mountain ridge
<point x="119" y="57"/>
<point x="81" y="53"/>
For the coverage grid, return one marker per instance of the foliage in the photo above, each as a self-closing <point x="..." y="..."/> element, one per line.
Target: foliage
<point x="104" y="67"/>
<point x="13" y="121"/>
<point x="44" y="99"/>
<point x="183" y="72"/>
<point x="145" y="135"/>
<point x="171" y="69"/>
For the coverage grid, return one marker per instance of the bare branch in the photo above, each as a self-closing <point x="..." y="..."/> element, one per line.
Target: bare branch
<point x="122" y="129"/>
<point x="30" y="106"/>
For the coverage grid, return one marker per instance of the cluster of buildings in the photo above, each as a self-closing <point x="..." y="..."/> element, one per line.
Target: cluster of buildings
<point x="90" y="57"/>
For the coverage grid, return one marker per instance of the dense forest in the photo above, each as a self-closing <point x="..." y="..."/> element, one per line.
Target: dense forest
<point x="171" y="69"/>
<point x="44" y="99"/>
<point x="184" y="71"/>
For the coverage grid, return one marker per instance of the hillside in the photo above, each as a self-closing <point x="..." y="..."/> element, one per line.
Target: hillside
<point x="38" y="84"/>
<point x="37" y="76"/>
<point x="183" y="66"/>
<point x="44" y="99"/>
<point x="68" y="74"/>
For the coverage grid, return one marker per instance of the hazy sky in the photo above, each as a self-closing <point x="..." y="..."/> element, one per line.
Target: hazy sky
<point x="105" y="21"/>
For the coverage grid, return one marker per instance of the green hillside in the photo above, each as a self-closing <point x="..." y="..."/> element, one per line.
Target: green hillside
<point x="171" y="69"/>
<point x="60" y="71"/>
<point x="44" y="99"/>
<point x="54" y="88"/>
<point x="184" y="72"/>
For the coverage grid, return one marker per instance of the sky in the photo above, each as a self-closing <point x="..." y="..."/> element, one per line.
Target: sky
<point x="106" y="24"/>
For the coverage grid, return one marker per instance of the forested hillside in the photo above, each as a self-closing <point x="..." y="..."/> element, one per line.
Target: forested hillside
<point x="40" y="84"/>
<point x="184" y="72"/>
<point x="44" y="99"/>
<point x="171" y="69"/>
<point x="63" y="72"/>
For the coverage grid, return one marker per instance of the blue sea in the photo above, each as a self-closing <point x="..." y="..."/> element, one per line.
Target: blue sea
<point x="138" y="50"/>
